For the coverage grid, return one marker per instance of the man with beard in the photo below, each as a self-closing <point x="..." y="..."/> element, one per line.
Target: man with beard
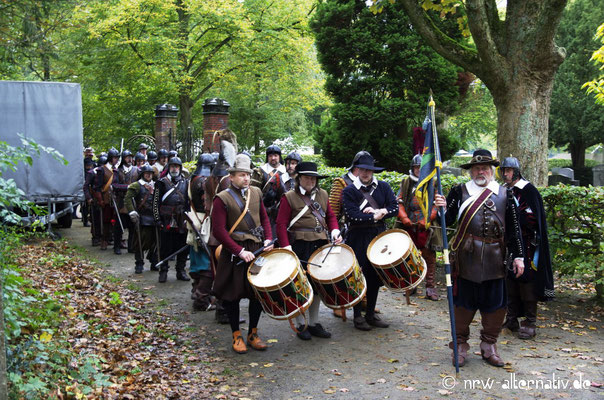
<point x="272" y="182"/>
<point x="411" y="218"/>
<point x="162" y="160"/>
<point x="139" y="203"/>
<point x="537" y="281"/>
<point x="239" y="237"/>
<point x="367" y="203"/>
<point x="143" y="149"/>
<point x="291" y="161"/>
<point x="126" y="174"/>
<point x="170" y="202"/>
<point x="152" y="159"/>
<point x="487" y="225"/>
<point x="305" y="214"/>
<point x="139" y="160"/>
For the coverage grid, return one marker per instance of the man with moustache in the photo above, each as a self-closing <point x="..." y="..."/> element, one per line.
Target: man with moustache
<point x="239" y="237"/>
<point x="487" y="225"/>
<point x="289" y="178"/>
<point x="537" y="281"/>
<point x="367" y="203"/>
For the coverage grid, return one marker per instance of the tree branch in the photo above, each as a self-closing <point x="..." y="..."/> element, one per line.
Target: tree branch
<point x="214" y="81"/>
<point x="439" y="41"/>
<point x="209" y="57"/>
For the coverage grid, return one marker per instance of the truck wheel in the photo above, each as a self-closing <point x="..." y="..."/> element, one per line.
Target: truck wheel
<point x="66" y="220"/>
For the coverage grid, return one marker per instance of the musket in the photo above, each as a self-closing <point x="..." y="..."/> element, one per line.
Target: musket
<point x="138" y="231"/>
<point x="185" y="247"/>
<point x="200" y="241"/>
<point x="157" y="242"/>
<point x="117" y="212"/>
<point x="102" y="222"/>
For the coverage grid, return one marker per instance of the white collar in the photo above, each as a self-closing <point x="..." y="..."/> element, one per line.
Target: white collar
<point x="351" y="176"/>
<point x="143" y="183"/>
<point x="473" y="188"/>
<point x="286" y="177"/>
<point x="303" y="191"/>
<point x="127" y="169"/>
<point x="357" y="182"/>
<point x="413" y="177"/>
<point x="268" y="169"/>
<point x="521" y="183"/>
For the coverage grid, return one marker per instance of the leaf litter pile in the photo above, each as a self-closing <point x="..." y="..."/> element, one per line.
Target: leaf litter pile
<point x="144" y="353"/>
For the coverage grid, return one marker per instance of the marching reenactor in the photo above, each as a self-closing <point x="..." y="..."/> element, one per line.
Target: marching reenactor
<point x="143" y="149"/>
<point x="289" y="177"/>
<point x="411" y="219"/>
<point x="305" y="222"/>
<point x="126" y="174"/>
<point x="272" y="182"/>
<point x="162" y="160"/>
<point x="240" y="223"/>
<point x="105" y="176"/>
<point x="200" y="267"/>
<point x="170" y="202"/>
<point x="367" y="203"/>
<point x="89" y="167"/>
<point x="91" y="201"/>
<point x="487" y="225"/>
<point x="139" y="160"/>
<point x="335" y="202"/>
<point x="152" y="159"/>
<point x="537" y="281"/>
<point x="139" y="203"/>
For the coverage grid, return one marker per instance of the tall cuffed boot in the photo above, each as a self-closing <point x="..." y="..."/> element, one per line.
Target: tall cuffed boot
<point x="163" y="274"/>
<point x="221" y="314"/>
<point x="430" y="257"/>
<point x="463" y="319"/>
<point x="528" y="327"/>
<point x="514" y="306"/>
<point x="491" y="327"/>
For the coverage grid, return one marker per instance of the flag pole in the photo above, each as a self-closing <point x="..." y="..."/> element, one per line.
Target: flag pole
<point x="443" y="225"/>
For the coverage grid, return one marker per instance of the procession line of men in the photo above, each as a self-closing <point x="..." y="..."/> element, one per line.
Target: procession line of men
<point x="235" y="209"/>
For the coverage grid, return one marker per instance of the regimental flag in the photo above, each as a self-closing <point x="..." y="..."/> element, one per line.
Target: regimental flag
<point x="430" y="160"/>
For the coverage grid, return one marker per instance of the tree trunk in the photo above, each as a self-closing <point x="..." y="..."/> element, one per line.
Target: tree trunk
<point x="186" y="112"/>
<point x="522" y="125"/>
<point x="577" y="154"/>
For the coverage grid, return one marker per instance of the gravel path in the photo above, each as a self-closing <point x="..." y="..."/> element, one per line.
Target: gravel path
<point x="410" y="359"/>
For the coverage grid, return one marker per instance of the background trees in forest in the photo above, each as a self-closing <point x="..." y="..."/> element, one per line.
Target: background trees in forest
<point x="379" y="73"/>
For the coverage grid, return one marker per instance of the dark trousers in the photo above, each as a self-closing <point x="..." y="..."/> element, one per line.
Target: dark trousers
<point x="232" y="309"/>
<point x="118" y="232"/>
<point x="95" y="219"/>
<point x="171" y="241"/>
<point x="521" y="302"/>
<point x="148" y="245"/>
<point x="85" y="212"/>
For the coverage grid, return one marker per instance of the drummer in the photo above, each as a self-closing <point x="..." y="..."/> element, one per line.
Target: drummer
<point x="367" y="203"/>
<point x="304" y="223"/>
<point x="241" y="225"/>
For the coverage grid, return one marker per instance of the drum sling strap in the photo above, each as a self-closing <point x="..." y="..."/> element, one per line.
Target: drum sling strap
<point x="369" y="199"/>
<point x="244" y="211"/>
<point x="314" y="210"/>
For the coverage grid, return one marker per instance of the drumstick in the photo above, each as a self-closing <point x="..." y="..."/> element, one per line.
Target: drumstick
<point x="260" y="250"/>
<point x="330" y="248"/>
<point x="308" y="262"/>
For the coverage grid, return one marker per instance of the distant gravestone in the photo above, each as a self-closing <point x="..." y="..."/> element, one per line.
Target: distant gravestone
<point x="568" y="172"/>
<point x="598" y="173"/>
<point x="452" y="170"/>
<point x="556" y="179"/>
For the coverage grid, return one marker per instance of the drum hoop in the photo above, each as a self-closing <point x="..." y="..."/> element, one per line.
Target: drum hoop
<point x="339" y="277"/>
<point x="352" y="303"/>
<point x="414" y="285"/>
<point x="400" y="259"/>
<point x="283" y="283"/>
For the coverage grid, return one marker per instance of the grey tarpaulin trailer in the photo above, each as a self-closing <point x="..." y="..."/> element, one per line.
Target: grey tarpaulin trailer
<point x="51" y="114"/>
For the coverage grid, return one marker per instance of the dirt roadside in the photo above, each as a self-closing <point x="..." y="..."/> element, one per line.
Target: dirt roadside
<point x="410" y="359"/>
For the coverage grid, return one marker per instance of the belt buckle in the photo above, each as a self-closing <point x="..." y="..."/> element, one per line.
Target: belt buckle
<point x="318" y="229"/>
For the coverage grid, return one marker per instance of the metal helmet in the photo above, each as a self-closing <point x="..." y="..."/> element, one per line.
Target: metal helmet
<point x="103" y="154"/>
<point x="273" y="149"/>
<point x="356" y="158"/>
<point x="142" y="146"/>
<point x="162" y="153"/>
<point x="172" y="154"/>
<point x="205" y="164"/>
<point x="112" y="153"/>
<point x="416" y="161"/>
<point x="126" y="153"/>
<point x="294" y="156"/>
<point x="151" y="155"/>
<point x="102" y="160"/>
<point x="139" y="156"/>
<point x="146" y="168"/>
<point x="511" y="162"/>
<point x="175" y="161"/>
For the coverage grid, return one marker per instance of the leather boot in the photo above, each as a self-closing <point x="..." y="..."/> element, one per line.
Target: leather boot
<point x="338" y="312"/>
<point x="374" y="320"/>
<point x="491" y="327"/>
<point x="221" y="315"/>
<point x="138" y="268"/>
<point x="430" y="258"/>
<point x="103" y="245"/>
<point x="254" y="341"/>
<point x="181" y="275"/>
<point x="163" y="276"/>
<point x="463" y="319"/>
<point x="514" y="305"/>
<point x="462" y="353"/>
<point x="238" y="343"/>
<point x="528" y="327"/>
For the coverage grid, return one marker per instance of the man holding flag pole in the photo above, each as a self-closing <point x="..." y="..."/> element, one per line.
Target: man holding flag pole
<point x="487" y="241"/>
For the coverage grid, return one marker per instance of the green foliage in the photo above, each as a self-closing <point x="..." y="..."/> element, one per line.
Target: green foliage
<point x="596" y="86"/>
<point x="575" y="120"/>
<point x="379" y="73"/>
<point x="575" y="219"/>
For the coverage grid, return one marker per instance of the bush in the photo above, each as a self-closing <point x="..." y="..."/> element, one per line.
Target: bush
<point x="575" y="216"/>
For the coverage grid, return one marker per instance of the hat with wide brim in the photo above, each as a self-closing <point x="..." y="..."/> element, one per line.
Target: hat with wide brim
<point x="366" y="161"/>
<point x="242" y="164"/>
<point x="481" y="156"/>
<point x="308" y="168"/>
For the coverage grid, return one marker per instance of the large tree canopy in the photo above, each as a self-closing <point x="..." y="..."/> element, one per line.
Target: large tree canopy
<point x="575" y="119"/>
<point x="379" y="73"/>
<point x="516" y="58"/>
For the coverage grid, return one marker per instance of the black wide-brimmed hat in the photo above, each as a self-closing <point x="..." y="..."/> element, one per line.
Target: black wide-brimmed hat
<point x="481" y="156"/>
<point x="308" y="168"/>
<point x="366" y="161"/>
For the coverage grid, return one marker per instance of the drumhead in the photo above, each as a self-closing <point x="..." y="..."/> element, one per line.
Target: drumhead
<point x="337" y="264"/>
<point x="278" y="267"/>
<point x="389" y="247"/>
